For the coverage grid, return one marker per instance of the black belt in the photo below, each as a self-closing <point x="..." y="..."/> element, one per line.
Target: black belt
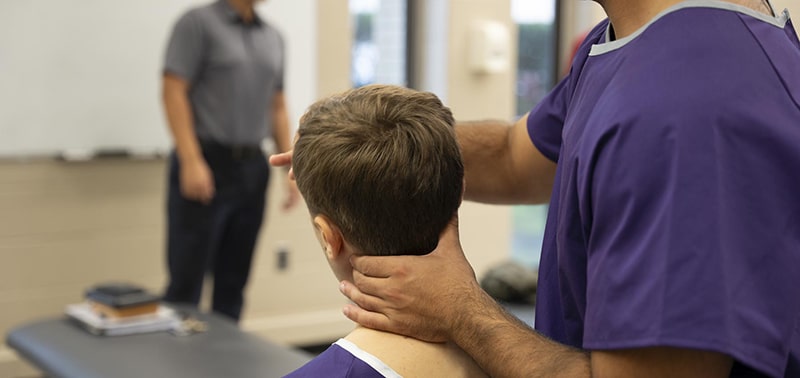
<point x="237" y="152"/>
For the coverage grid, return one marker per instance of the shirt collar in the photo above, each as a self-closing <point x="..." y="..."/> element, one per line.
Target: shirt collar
<point x="234" y="17"/>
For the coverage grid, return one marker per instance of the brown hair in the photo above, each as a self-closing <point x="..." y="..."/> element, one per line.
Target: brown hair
<point x="383" y="164"/>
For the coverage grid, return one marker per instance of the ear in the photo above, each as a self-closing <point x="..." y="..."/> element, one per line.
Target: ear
<point x="330" y="235"/>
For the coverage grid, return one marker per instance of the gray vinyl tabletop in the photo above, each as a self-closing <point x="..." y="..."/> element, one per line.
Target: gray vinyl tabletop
<point x="60" y="348"/>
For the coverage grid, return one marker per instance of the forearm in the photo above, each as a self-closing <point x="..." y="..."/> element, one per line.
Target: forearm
<point x="505" y="347"/>
<point x="180" y="121"/>
<point x="501" y="164"/>
<point x="280" y="124"/>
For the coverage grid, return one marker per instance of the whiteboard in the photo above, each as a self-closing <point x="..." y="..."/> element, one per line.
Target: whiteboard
<point x="80" y="76"/>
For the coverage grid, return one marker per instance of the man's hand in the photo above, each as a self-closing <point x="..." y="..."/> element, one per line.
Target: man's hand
<point x="283" y="159"/>
<point x="197" y="181"/>
<point x="292" y="194"/>
<point x="419" y="296"/>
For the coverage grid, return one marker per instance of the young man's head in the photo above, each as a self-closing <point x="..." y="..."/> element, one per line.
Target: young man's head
<point x="380" y="171"/>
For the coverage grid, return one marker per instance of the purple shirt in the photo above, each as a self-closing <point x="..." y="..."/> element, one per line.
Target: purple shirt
<point x="344" y="359"/>
<point x="675" y="214"/>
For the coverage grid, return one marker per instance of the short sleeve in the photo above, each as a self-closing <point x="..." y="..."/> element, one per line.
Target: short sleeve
<point x="546" y="121"/>
<point x="694" y="234"/>
<point x="184" y="54"/>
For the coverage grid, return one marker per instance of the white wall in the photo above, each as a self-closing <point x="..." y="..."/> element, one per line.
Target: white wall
<point x="79" y="75"/>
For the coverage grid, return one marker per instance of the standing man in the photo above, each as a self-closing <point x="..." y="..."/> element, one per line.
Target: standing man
<point x="223" y="95"/>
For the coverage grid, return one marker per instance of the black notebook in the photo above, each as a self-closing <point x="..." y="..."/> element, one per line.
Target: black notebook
<point x="119" y="295"/>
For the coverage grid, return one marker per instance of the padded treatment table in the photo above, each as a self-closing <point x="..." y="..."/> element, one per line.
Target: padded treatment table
<point x="61" y="348"/>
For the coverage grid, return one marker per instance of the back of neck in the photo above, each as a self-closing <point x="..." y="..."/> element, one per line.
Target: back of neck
<point x="410" y="357"/>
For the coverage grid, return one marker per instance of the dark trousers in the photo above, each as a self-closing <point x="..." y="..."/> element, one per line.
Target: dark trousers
<point x="217" y="238"/>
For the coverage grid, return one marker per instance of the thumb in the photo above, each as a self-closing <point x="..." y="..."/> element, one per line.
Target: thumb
<point x="282" y="159"/>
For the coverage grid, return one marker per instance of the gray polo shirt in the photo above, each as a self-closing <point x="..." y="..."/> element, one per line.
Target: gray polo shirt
<point x="233" y="69"/>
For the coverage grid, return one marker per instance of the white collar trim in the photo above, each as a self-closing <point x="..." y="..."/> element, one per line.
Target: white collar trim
<point x="369" y="359"/>
<point x="778" y="21"/>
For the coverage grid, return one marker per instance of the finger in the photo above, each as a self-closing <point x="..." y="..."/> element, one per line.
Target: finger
<point x="374" y="266"/>
<point x="289" y="203"/>
<point x="366" y="318"/>
<point x="194" y="194"/>
<point x="282" y="159"/>
<point x="204" y="197"/>
<point x="361" y="299"/>
<point x="208" y="192"/>
<point x="372" y="286"/>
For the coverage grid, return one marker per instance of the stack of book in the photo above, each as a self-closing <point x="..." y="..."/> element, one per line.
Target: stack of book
<point x="122" y="300"/>
<point x="122" y="309"/>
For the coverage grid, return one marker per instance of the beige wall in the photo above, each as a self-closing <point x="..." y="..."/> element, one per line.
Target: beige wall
<point x="485" y="229"/>
<point x="333" y="68"/>
<point x="442" y="36"/>
<point x="792" y="5"/>
<point x="472" y="95"/>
